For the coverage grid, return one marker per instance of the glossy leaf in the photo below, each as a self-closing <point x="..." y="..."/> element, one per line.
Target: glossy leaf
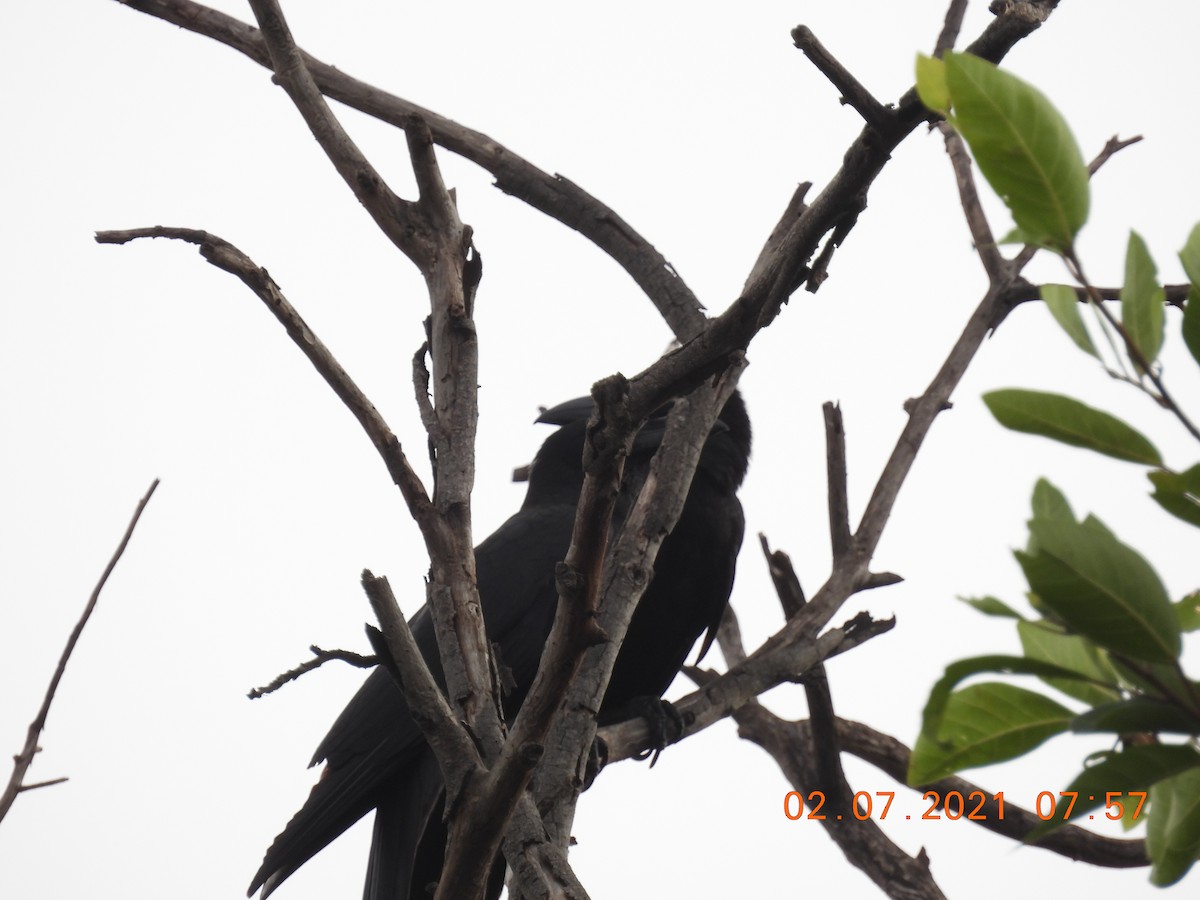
<point x="1041" y="641"/>
<point x="1067" y="420"/>
<point x="1063" y="304"/>
<point x="962" y="669"/>
<point x="1155" y="679"/>
<point x="931" y="84"/>
<point x="986" y="723"/>
<point x="1178" y="492"/>
<point x="1050" y="503"/>
<point x="1023" y="148"/>
<point x="1173" y="833"/>
<point x="1137" y="715"/>
<point x="1187" y="611"/>
<point x="1102" y="589"/>
<point x="1142" y="299"/>
<point x="1132" y="769"/>
<point x="990" y="606"/>
<point x="1190" y="257"/>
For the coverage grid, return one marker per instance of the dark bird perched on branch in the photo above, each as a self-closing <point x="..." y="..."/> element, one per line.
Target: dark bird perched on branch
<point x="375" y="754"/>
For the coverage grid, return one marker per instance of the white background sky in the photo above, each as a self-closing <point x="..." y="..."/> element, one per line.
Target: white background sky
<point x="120" y="364"/>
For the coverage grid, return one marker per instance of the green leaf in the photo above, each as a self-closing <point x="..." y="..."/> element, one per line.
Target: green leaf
<point x="1173" y="833"/>
<point x="990" y="606"/>
<point x="993" y="664"/>
<point x="1160" y="680"/>
<point x="986" y="723"/>
<point x="1137" y="715"/>
<point x="931" y="84"/>
<point x="1063" y="304"/>
<point x="940" y="694"/>
<point x="1191" y="322"/>
<point x="1102" y="589"/>
<point x="1067" y="420"/>
<point x="1178" y="492"/>
<point x="1142" y="299"/>
<point x="1187" y="611"/>
<point x="1043" y="642"/>
<point x="1023" y="147"/>
<point x="1050" y="503"/>
<point x="1190" y="257"/>
<point x="1132" y="769"/>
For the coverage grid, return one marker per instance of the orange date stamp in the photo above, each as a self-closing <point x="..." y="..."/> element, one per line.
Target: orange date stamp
<point x="975" y="806"/>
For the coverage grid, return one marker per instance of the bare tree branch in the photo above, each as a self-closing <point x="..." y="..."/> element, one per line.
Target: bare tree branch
<point x="1114" y="145"/>
<point x="787" y="588"/>
<point x="760" y="672"/>
<point x="889" y="755"/>
<point x="835" y="466"/>
<point x="226" y="256"/>
<point x="710" y="351"/>
<point x="320" y="657"/>
<point x="626" y="572"/>
<point x="981" y="232"/>
<point x="874" y="113"/>
<point x="792" y="743"/>
<point x="1022" y="291"/>
<point x="951" y="27"/>
<point x="397" y="218"/>
<point x="817" y="764"/>
<point x="24" y="759"/>
<point x="554" y="195"/>
<point x="1143" y="365"/>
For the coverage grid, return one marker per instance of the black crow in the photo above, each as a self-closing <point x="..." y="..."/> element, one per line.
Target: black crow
<point x="375" y="755"/>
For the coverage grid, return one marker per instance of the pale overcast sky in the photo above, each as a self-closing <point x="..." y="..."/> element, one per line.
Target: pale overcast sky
<point x="122" y="364"/>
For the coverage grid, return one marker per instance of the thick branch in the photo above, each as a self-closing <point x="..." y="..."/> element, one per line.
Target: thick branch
<point x="889" y="755"/>
<point x="817" y="763"/>
<point x="760" y="672"/>
<point x="863" y="842"/>
<point x="23" y="760"/>
<point x="835" y="467"/>
<point x="426" y="702"/>
<point x="626" y="573"/>
<point x="553" y="195"/>
<point x="778" y="274"/>
<point x="396" y="218"/>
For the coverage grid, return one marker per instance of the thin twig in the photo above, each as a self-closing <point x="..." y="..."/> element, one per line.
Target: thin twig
<point x="23" y="760"/>
<point x="41" y="784"/>
<point x="981" y="232"/>
<point x="1135" y="352"/>
<point x="1114" y="145"/>
<point x="1022" y="291"/>
<point x="320" y="658"/>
